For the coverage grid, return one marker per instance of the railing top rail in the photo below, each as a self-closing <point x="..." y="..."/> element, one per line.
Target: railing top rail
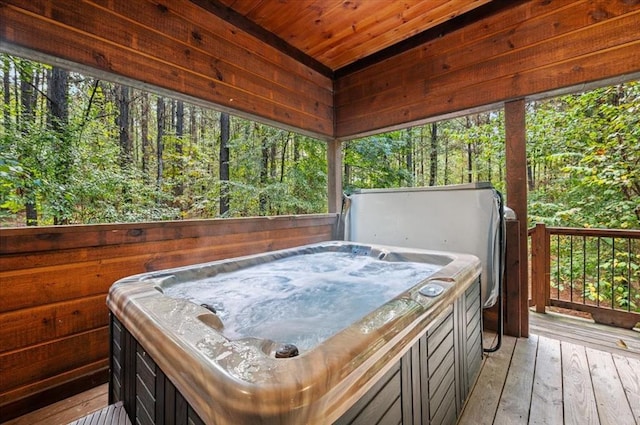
<point x="577" y="231"/>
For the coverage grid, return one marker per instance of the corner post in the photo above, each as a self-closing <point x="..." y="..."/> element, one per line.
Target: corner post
<point x="540" y="266"/>
<point x="334" y="175"/>
<point x="516" y="159"/>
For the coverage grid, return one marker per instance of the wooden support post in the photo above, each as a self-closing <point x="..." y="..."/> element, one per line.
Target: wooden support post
<point x="540" y="267"/>
<point x="516" y="158"/>
<point x="334" y="176"/>
<point x="540" y="277"/>
<point x="512" y="289"/>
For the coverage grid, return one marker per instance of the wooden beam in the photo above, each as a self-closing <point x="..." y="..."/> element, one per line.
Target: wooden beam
<point x="334" y="176"/>
<point x="516" y="159"/>
<point x="234" y="18"/>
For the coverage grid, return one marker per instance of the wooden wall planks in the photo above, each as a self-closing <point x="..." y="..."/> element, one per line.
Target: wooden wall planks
<point x="31" y="326"/>
<point x="532" y="48"/>
<point x="171" y="47"/>
<point x="54" y="281"/>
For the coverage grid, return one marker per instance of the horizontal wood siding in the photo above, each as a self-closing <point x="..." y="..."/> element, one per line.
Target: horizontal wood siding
<point x="170" y="46"/>
<point x="529" y="49"/>
<point x="54" y="281"/>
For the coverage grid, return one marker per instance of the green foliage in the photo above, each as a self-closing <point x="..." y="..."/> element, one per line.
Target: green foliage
<point x="298" y="187"/>
<point x="376" y="161"/>
<point x="591" y="156"/>
<point x="77" y="176"/>
<point x="587" y="155"/>
<point x="583" y="154"/>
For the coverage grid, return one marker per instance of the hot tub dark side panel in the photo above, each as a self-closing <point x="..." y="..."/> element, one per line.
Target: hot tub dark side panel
<point x="148" y="395"/>
<point x="427" y="386"/>
<point x="430" y="383"/>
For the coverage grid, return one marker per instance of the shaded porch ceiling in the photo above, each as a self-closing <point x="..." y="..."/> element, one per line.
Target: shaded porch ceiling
<point x="335" y="69"/>
<point x="336" y="33"/>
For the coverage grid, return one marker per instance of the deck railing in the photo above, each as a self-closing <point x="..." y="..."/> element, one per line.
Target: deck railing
<point x="596" y="271"/>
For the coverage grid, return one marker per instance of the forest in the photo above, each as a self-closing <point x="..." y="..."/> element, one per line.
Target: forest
<point x="78" y="150"/>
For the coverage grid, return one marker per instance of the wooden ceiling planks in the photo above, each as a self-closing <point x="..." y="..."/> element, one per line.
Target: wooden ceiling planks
<point x="289" y="14"/>
<point x="244" y="7"/>
<point x="337" y="33"/>
<point x="381" y="30"/>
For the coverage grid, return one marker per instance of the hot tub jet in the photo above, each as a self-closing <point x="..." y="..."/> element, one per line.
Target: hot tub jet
<point x="286" y="351"/>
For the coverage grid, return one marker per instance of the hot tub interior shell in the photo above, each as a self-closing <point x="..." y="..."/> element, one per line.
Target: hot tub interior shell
<point x="418" y="375"/>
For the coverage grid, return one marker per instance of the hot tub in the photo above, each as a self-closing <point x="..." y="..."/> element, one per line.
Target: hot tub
<point x="335" y="332"/>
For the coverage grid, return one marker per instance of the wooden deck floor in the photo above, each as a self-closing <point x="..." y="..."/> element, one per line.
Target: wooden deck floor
<point x="568" y="372"/>
<point x="67" y="410"/>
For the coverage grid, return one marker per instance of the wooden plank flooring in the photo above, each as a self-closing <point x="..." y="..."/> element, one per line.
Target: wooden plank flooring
<point x="586" y="333"/>
<point x="569" y="371"/>
<point x="67" y="410"/>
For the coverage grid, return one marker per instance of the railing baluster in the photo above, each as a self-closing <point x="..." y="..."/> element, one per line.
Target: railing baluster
<point x="613" y="272"/>
<point x="628" y="274"/>
<point x="558" y="265"/>
<point x="584" y="270"/>
<point x="598" y="279"/>
<point x="571" y="268"/>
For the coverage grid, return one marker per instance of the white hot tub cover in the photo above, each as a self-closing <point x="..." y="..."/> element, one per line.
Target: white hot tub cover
<point x="463" y="218"/>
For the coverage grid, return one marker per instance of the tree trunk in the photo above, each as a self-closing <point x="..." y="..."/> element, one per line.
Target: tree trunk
<point x="145" y="146"/>
<point x="272" y="160"/>
<point x="58" y="118"/>
<point x="347" y="168"/>
<point x="283" y="155"/>
<point x="172" y="116"/>
<point x="296" y="150"/>
<point x="469" y="156"/>
<point x="27" y="99"/>
<point x="469" y="163"/>
<point x="421" y="155"/>
<point x="409" y="156"/>
<point x="6" y="92"/>
<point x="160" y="113"/>
<point x="27" y="120"/>
<point x="530" y="179"/>
<point x="123" y="96"/>
<point x="446" y="161"/>
<point x="264" y="174"/>
<point x="193" y="126"/>
<point x="178" y="189"/>
<point x="224" y="163"/>
<point x="433" y="156"/>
